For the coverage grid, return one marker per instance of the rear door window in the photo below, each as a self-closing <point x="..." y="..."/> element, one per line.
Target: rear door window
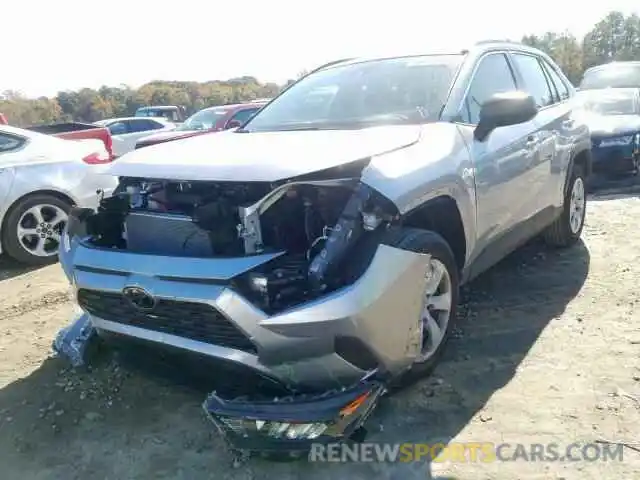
<point x="142" y="125"/>
<point x="561" y="86"/>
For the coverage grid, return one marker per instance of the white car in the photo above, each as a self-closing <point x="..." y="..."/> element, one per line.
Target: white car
<point x="126" y="131"/>
<point x="41" y="178"/>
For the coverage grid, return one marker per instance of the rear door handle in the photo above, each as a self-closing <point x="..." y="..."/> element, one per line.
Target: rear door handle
<point x="531" y="143"/>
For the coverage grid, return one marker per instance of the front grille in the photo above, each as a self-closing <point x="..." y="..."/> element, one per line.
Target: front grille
<point x="195" y="321"/>
<point x="194" y="370"/>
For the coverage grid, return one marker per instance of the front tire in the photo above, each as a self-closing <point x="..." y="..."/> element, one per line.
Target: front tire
<point x="33" y="227"/>
<point x="567" y="228"/>
<point x="440" y="298"/>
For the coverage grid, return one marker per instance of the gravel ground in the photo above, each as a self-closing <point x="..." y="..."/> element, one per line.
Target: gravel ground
<point x="548" y="350"/>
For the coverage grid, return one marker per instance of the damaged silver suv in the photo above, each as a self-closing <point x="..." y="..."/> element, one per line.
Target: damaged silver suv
<point x="317" y="251"/>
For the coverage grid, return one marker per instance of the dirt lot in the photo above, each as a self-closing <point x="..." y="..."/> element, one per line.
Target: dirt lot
<point x="548" y="351"/>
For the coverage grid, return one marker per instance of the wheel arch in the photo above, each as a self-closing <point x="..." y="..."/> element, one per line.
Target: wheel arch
<point x="583" y="158"/>
<point x="442" y="215"/>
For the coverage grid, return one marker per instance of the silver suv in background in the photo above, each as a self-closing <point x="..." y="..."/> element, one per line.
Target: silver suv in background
<point x="318" y="250"/>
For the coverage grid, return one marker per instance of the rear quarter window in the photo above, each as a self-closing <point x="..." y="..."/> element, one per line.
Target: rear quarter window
<point x="10" y="143"/>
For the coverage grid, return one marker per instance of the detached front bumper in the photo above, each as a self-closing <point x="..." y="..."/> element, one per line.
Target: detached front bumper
<point x="288" y="424"/>
<point x="294" y="423"/>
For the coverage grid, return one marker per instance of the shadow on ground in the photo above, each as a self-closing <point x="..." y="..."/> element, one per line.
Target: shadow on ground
<point x="115" y="423"/>
<point x="9" y="268"/>
<point x="613" y="188"/>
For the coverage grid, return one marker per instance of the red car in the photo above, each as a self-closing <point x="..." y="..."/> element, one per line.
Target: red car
<point x="212" y="119"/>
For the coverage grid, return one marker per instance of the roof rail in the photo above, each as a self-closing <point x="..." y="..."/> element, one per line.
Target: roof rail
<point x="329" y="64"/>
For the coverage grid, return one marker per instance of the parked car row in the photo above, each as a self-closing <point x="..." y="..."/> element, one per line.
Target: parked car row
<point x="47" y="169"/>
<point x="213" y="119"/>
<point x="150" y="125"/>
<point x="127" y="131"/>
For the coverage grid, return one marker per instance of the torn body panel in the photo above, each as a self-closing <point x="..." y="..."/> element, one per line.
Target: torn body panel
<point x="73" y="341"/>
<point x="296" y="346"/>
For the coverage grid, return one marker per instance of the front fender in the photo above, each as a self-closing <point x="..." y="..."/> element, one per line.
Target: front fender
<point x="437" y="165"/>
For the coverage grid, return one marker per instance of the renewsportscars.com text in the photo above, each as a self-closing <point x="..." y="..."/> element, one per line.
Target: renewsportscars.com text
<point x="466" y="452"/>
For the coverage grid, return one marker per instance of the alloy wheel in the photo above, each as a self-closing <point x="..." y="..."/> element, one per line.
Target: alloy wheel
<point x="40" y="229"/>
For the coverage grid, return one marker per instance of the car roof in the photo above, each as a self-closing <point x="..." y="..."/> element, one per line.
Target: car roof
<point x="124" y="119"/>
<point x="609" y="91"/>
<point x="235" y="106"/>
<point x="22" y="132"/>
<point x="474" y="50"/>
<point x="614" y="64"/>
<point x="159" y="107"/>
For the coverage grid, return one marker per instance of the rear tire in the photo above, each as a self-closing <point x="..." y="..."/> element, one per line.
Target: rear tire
<point x="32" y="229"/>
<point x="567" y="228"/>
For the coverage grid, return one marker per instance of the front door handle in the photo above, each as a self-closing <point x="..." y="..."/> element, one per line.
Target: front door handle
<point x="568" y="123"/>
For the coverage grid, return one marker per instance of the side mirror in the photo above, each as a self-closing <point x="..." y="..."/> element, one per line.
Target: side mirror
<point x="502" y="110"/>
<point x="233" y="124"/>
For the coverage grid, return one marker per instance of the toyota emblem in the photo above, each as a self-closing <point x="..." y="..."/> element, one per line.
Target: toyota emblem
<point x="139" y="298"/>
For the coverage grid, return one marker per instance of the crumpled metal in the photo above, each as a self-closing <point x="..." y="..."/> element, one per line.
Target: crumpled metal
<point x="73" y="340"/>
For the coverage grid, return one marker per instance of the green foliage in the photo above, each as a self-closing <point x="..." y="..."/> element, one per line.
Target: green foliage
<point x="615" y="37"/>
<point x="88" y="105"/>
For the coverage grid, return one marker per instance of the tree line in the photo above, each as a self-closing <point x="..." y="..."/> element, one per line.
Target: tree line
<point x="89" y="105"/>
<point x="615" y="37"/>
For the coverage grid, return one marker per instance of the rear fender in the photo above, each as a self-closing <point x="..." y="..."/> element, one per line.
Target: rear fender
<point x="7" y="176"/>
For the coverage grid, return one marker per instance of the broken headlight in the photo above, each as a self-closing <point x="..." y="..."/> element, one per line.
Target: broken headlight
<point x="329" y="416"/>
<point x="275" y="430"/>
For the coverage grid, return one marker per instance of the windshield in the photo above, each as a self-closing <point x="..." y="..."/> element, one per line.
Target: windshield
<point x="203" y="120"/>
<point x="612" y="76"/>
<point x="381" y="92"/>
<point x="623" y="102"/>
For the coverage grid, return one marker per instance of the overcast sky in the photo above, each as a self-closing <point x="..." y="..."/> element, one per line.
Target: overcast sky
<point x="51" y="45"/>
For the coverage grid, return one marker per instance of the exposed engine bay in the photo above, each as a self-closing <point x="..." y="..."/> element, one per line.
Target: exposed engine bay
<point x="316" y="224"/>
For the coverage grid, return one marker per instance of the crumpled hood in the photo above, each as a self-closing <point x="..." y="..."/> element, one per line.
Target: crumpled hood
<point x="610" y="125"/>
<point x="170" y="135"/>
<point x="261" y="156"/>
